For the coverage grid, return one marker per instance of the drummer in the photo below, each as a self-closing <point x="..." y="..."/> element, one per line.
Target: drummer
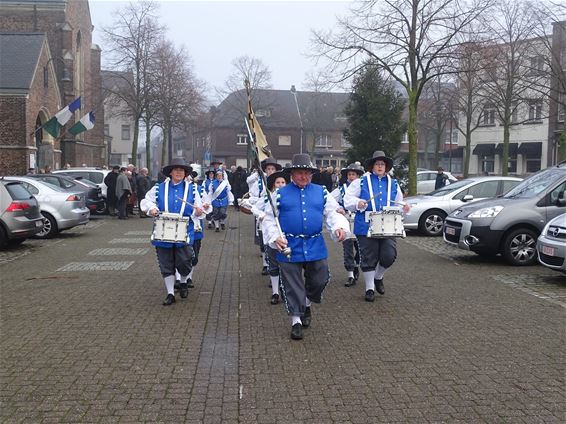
<point x="370" y="193"/>
<point x="350" y="245"/>
<point x="174" y="195"/>
<point x="209" y="179"/>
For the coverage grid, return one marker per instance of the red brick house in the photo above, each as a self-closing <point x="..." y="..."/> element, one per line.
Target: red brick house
<point x="66" y="66"/>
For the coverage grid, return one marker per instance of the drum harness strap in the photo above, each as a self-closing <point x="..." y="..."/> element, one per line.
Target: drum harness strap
<point x="166" y="197"/>
<point x="373" y="195"/>
<point x="218" y="190"/>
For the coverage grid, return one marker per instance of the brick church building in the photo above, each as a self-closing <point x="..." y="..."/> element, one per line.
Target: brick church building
<point x="48" y="60"/>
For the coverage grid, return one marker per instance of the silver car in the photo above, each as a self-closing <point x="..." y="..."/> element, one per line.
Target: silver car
<point x="61" y="209"/>
<point x="429" y="210"/>
<point x="96" y="175"/>
<point x="19" y="214"/>
<point x="551" y="244"/>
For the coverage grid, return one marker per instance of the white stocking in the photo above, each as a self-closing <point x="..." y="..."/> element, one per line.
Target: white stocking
<point x="368" y="278"/>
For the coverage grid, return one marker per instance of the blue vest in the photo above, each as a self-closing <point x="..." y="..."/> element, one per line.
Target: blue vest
<point x="379" y="185"/>
<point x="199" y="235"/>
<point x="207" y="183"/>
<point x="301" y="218"/>
<point x="175" y="204"/>
<point x="222" y="199"/>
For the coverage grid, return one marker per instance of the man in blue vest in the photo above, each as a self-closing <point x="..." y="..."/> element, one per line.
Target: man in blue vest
<point x="370" y="193"/>
<point x="220" y="197"/>
<point x="303" y="208"/>
<point x="175" y="195"/>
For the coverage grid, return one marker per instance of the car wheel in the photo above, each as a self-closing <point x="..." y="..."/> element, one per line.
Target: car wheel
<point x="519" y="247"/>
<point x="16" y="242"/>
<point x="431" y="223"/>
<point x="100" y="210"/>
<point x="3" y="238"/>
<point x="49" y="227"/>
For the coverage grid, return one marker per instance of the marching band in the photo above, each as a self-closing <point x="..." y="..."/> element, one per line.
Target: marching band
<point x="364" y="213"/>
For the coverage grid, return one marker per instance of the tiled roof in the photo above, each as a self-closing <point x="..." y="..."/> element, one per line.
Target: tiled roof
<point x="318" y="109"/>
<point x="20" y="53"/>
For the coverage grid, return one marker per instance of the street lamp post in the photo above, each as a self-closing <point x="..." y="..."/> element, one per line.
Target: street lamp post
<point x="294" y="91"/>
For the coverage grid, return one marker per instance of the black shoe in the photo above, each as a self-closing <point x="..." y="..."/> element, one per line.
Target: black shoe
<point x="274" y="299"/>
<point x="356" y="273"/>
<point x="190" y="283"/>
<point x="307" y="317"/>
<point x="379" y="287"/>
<point x="370" y="296"/>
<point x="177" y="285"/>
<point x="351" y="281"/>
<point x="169" y="300"/>
<point x="264" y="271"/>
<point x="209" y="226"/>
<point x="222" y="226"/>
<point x="297" y="332"/>
<point x="217" y="230"/>
<point x="184" y="291"/>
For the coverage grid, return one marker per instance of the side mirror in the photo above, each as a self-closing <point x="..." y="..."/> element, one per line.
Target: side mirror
<point x="561" y="201"/>
<point x="467" y="198"/>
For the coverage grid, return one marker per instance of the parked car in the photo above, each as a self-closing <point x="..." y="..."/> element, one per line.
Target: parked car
<point x="20" y="217"/>
<point x="428" y="211"/>
<point x="551" y="244"/>
<point x="93" y="194"/>
<point x="96" y="175"/>
<point x="426" y="180"/>
<point x="510" y="225"/>
<point x="61" y="209"/>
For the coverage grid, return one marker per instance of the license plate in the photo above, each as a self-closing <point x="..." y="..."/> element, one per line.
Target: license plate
<point x="450" y="231"/>
<point x="548" y="250"/>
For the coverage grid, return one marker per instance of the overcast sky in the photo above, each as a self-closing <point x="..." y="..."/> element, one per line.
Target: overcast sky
<point x="216" y="32"/>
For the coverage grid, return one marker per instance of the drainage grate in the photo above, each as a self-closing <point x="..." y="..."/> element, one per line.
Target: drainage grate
<point x="97" y="266"/>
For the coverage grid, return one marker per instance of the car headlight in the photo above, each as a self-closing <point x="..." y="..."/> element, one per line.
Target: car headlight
<point x="490" y="212"/>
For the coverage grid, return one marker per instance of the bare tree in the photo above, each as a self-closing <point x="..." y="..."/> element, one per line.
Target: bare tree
<point x="131" y="39"/>
<point x="410" y="39"/>
<point x="466" y="105"/>
<point x="512" y="83"/>
<point x="245" y="68"/>
<point x="176" y="92"/>
<point x="550" y="17"/>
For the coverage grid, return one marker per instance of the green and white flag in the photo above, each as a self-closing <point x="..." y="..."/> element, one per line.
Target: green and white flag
<point x="86" y="123"/>
<point x="54" y="125"/>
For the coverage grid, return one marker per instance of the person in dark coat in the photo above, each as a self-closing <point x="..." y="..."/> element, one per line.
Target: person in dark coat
<point x="238" y="185"/>
<point x="143" y="186"/>
<point x="110" y="181"/>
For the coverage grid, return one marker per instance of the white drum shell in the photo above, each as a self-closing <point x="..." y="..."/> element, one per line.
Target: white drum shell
<point x="386" y="223"/>
<point x="171" y="228"/>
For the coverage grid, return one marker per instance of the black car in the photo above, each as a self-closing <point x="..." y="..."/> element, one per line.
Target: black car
<point x="94" y="200"/>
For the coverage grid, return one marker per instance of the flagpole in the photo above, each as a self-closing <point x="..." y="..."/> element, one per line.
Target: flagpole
<point x="287" y="250"/>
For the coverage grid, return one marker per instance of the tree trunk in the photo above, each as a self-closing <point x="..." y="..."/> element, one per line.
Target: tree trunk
<point x="148" y="146"/>
<point x="467" y="153"/>
<point x="164" y="159"/>
<point x="413" y="142"/>
<point x="505" y="153"/>
<point x="135" y="142"/>
<point x="562" y="147"/>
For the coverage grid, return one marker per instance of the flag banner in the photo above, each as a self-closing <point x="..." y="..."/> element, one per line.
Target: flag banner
<point x="54" y="125"/>
<point x="263" y="151"/>
<point x="86" y="123"/>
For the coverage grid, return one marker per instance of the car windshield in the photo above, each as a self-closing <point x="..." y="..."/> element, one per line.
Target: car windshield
<point x="536" y="184"/>
<point x="443" y="191"/>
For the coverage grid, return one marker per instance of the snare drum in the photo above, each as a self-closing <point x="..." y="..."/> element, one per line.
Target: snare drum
<point x="171" y="228"/>
<point x="386" y="223"/>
